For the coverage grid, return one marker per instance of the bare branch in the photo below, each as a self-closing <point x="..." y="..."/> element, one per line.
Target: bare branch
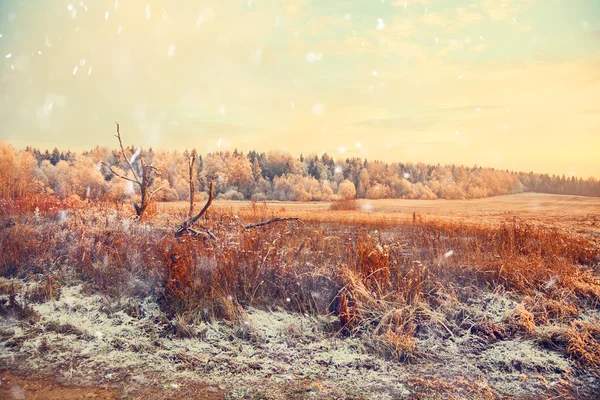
<point x="118" y="135"/>
<point x="267" y="222"/>
<point x="156" y="191"/>
<point x="119" y="175"/>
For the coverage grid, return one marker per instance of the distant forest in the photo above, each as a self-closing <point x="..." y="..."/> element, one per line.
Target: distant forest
<point x="264" y="176"/>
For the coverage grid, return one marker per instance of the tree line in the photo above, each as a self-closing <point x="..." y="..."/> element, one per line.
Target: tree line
<point x="261" y="176"/>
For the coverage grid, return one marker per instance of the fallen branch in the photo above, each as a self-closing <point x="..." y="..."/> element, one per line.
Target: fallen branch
<point x="206" y="232"/>
<point x="267" y="222"/>
<point x="187" y="225"/>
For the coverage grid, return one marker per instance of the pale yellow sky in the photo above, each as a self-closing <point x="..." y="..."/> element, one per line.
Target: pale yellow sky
<point x="508" y="84"/>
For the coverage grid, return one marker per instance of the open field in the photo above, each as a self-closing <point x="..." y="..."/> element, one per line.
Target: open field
<point x="576" y="213"/>
<point x="483" y="299"/>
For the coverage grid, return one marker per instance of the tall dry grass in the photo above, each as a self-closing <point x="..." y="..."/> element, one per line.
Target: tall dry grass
<point x="386" y="280"/>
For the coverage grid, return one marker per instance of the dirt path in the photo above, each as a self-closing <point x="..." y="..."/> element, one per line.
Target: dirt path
<point x="38" y="388"/>
<point x="16" y="387"/>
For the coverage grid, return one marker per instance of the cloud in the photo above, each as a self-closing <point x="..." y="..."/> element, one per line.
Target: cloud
<point x="449" y="20"/>
<point x="410" y="3"/>
<point x="478" y="47"/>
<point x="504" y="9"/>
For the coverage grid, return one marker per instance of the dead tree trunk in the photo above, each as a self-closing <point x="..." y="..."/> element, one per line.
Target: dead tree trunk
<point x="144" y="184"/>
<point x="191" y="162"/>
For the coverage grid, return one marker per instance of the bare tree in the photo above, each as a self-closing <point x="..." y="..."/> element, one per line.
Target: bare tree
<point x="148" y="172"/>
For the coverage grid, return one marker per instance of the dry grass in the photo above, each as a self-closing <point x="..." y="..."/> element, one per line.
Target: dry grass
<point x="383" y="278"/>
<point x="344" y="205"/>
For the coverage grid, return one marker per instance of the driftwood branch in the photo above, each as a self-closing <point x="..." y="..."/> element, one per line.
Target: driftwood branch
<point x="269" y="221"/>
<point x="185" y="226"/>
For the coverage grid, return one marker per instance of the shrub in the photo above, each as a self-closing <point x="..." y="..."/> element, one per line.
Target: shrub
<point x="231" y="194"/>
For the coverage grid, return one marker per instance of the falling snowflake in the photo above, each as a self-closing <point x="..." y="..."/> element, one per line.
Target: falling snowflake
<point x="119" y="29"/>
<point x="460" y="77"/>
<point x="380" y="24"/>
<point x="341" y="149"/>
<point x="478" y="109"/>
<point x="106" y="15"/>
<point x="374" y="73"/>
<point x="62" y="216"/>
<point x="514" y="20"/>
<point x="90" y="71"/>
<point x="148" y="11"/>
<point x="222" y="111"/>
<point x="82" y="62"/>
<point x="39" y="52"/>
<point x="219" y="145"/>
<point x="70" y="7"/>
<point x="313" y="57"/>
<point x="318" y="109"/>
<point x="366" y="207"/>
<point x="292" y="105"/>
<point x="551" y="282"/>
<point x="9" y="55"/>
<point x="135" y="155"/>
<point x="288" y="299"/>
<point x="437" y="40"/>
<point x="116" y="5"/>
<point x="457" y="132"/>
<point x="448" y="253"/>
<point x="75" y="70"/>
<point x="171" y="50"/>
<point x="358" y="145"/>
<point x="338" y="169"/>
<point x="481" y="37"/>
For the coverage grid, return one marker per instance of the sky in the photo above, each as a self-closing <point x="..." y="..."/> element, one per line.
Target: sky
<point x="510" y="84"/>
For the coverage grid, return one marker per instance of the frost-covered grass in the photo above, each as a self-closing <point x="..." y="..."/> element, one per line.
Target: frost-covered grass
<point x="339" y="308"/>
<point x="269" y="351"/>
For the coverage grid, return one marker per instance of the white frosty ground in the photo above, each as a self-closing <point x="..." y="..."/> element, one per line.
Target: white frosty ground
<point x="272" y="352"/>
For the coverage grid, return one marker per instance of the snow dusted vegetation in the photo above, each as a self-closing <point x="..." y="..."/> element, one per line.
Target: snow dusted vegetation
<point x="87" y="340"/>
<point x="341" y="304"/>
